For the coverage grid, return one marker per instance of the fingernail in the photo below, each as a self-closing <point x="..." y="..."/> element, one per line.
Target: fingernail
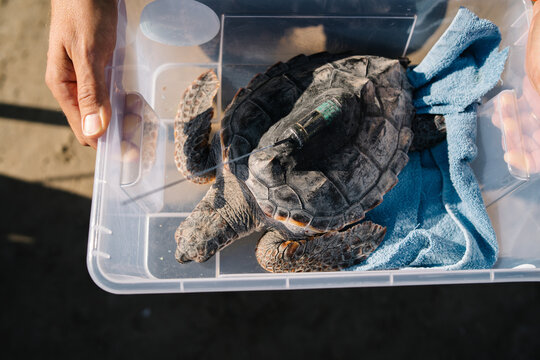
<point x="91" y="124"/>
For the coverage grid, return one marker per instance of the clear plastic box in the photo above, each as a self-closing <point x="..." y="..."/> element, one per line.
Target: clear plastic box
<point x="131" y="246"/>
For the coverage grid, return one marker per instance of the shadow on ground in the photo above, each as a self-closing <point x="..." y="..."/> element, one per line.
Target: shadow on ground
<point x="45" y="116"/>
<point x="51" y="306"/>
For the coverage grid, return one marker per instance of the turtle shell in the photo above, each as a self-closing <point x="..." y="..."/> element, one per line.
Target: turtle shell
<point x="346" y="168"/>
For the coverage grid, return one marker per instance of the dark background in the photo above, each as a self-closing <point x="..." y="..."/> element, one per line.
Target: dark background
<point x="52" y="307"/>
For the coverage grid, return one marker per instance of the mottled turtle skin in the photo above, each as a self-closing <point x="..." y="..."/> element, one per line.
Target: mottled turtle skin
<point x="310" y="202"/>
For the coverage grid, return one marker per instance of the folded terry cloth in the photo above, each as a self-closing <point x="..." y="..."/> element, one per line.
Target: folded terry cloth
<point x="435" y="216"/>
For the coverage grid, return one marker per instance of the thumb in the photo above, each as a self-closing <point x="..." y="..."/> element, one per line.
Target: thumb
<point x="93" y="99"/>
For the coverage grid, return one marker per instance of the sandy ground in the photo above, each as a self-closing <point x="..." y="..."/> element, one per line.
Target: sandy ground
<point x="52" y="308"/>
<point x="35" y="143"/>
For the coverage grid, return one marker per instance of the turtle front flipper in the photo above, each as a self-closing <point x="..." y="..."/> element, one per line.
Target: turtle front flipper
<point x="192" y="125"/>
<point x="332" y="251"/>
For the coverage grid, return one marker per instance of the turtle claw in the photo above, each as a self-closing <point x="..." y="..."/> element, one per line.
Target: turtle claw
<point x="184" y="254"/>
<point x="181" y="257"/>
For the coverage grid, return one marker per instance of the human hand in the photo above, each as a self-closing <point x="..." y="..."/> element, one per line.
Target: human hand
<point x="81" y="43"/>
<point x="519" y="119"/>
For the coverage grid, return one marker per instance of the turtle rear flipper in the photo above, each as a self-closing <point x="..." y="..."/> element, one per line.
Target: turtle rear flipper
<point x="192" y="125"/>
<point x="332" y="251"/>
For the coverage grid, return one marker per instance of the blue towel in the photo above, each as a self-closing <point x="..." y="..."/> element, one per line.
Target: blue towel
<point x="435" y="216"/>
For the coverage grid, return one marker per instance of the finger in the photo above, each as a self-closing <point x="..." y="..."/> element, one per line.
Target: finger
<point x="511" y="133"/>
<point x="532" y="64"/>
<point x="496" y="116"/>
<point x="517" y="160"/>
<point x="530" y="97"/>
<point x="529" y="145"/>
<point x="527" y="162"/>
<point x="512" y="143"/>
<point x="536" y="136"/>
<point x="130" y="152"/>
<point x="496" y="119"/>
<point x="61" y="80"/>
<point x="521" y="141"/>
<point x="509" y="122"/>
<point x="131" y="127"/>
<point x="535" y="159"/>
<point x="504" y="108"/>
<point x="529" y="123"/>
<point x="92" y="95"/>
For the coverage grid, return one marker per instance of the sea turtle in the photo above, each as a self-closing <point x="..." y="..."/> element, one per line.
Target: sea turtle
<point x="308" y="200"/>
